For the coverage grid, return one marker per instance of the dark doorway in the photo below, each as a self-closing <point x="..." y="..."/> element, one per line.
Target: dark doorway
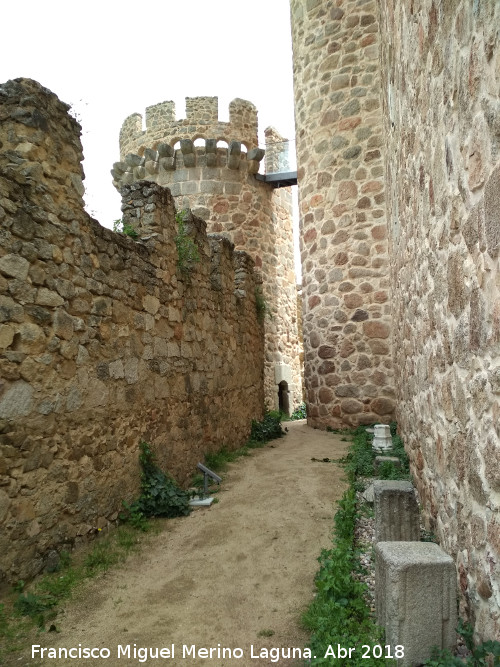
<point x="284" y="397"/>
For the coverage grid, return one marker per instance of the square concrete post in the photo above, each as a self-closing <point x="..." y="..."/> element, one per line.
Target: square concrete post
<point x="397" y="517"/>
<point x="415" y="598"/>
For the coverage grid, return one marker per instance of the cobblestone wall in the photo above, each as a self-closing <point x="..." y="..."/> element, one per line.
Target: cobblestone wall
<point x="104" y="341"/>
<point x="442" y="114"/>
<point x="219" y="184"/>
<point x="345" y="263"/>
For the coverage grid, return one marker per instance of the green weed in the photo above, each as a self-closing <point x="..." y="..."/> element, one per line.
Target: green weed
<point x="160" y="495"/>
<point x="187" y="251"/>
<point x="398" y="449"/>
<point x="427" y="536"/>
<point x="60" y="586"/>
<point x="31" y="604"/>
<point x="265" y="633"/>
<point x="217" y="461"/>
<point x="267" y="429"/>
<point x="387" y="470"/>
<point x="338" y="613"/>
<point x="260" y="305"/>
<point x="127" y="540"/>
<point x="121" y="227"/>
<point x="261" y="433"/>
<point x="101" y="558"/>
<point x="18" y="587"/>
<point x="4" y="621"/>
<point x="359" y="459"/>
<point x="486" y="653"/>
<point x="300" y="412"/>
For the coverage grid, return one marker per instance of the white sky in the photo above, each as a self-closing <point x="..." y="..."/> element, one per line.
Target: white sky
<point x="111" y="58"/>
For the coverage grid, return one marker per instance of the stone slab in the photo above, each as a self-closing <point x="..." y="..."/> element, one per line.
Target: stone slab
<point x="415" y="598"/>
<point x="397" y="516"/>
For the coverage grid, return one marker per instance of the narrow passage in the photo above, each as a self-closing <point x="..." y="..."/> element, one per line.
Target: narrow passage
<point x="228" y="575"/>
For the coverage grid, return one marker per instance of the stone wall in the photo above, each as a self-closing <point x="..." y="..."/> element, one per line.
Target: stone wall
<point x="218" y="183"/>
<point x="345" y="263"/>
<point x="441" y="63"/>
<point x="105" y="341"/>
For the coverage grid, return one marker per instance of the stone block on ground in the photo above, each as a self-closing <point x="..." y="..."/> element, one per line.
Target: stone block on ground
<point x="415" y="598"/>
<point x="397" y="517"/>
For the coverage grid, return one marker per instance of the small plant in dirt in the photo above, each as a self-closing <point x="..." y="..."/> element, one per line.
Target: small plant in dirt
<point x="160" y="495"/>
<point x="126" y="228"/>
<point x="35" y="606"/>
<point x="267" y="429"/>
<point x="217" y="461"/>
<point x="187" y="251"/>
<point x="101" y="558"/>
<point x="265" y="633"/>
<point x="300" y="412"/>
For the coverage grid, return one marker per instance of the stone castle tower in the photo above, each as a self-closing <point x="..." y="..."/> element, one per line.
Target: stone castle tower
<point x="210" y="166"/>
<point x="343" y="231"/>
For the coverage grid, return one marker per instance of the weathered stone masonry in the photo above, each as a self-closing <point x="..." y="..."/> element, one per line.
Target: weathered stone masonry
<point x="345" y="263"/>
<point x="415" y="84"/>
<point x="218" y="183"/>
<point x="441" y="85"/>
<point x="104" y="341"/>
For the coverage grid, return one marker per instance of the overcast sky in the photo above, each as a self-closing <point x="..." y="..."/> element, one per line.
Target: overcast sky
<point x="111" y="58"/>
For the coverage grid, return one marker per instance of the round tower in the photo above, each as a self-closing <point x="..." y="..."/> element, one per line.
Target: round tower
<point x="210" y="166"/>
<point x="343" y="228"/>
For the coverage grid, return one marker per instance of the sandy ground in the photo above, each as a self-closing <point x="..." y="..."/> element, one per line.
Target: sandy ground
<point x="224" y="575"/>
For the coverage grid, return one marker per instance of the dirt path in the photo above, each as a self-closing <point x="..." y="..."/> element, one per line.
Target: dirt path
<point x="224" y="575"/>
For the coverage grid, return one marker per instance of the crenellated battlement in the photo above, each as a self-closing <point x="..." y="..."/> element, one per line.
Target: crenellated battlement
<point x="209" y="166"/>
<point x="201" y="121"/>
<point x="202" y="162"/>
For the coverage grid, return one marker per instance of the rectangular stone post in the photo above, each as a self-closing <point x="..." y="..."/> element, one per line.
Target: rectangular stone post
<point x="415" y="598"/>
<point x="396" y="511"/>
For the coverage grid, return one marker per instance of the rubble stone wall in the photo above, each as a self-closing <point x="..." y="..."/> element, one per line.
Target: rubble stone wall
<point x="105" y="341"/>
<point x="218" y="183"/>
<point x="441" y="64"/>
<point x="344" y="247"/>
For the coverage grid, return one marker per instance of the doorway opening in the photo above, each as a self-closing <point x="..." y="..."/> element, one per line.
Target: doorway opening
<point x="284" y="397"/>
